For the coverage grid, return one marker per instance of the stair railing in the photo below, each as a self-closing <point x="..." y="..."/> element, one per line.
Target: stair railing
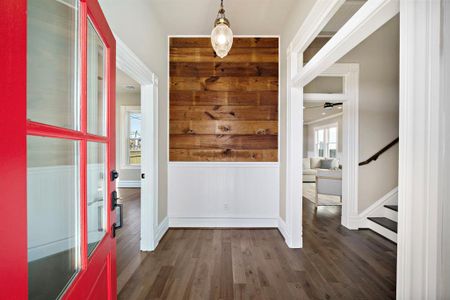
<point x="376" y="155"/>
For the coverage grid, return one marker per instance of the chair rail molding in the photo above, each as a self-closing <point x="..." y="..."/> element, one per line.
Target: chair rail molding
<point x="128" y="62"/>
<point x="419" y="202"/>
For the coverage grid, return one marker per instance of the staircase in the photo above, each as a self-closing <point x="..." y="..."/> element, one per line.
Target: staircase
<point x="381" y="216"/>
<point x="385" y="225"/>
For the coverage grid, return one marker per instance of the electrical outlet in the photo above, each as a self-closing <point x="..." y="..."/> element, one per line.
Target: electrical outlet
<point x="225" y="206"/>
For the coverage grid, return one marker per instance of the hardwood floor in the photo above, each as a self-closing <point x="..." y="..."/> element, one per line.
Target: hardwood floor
<point x="128" y="237"/>
<point x="335" y="263"/>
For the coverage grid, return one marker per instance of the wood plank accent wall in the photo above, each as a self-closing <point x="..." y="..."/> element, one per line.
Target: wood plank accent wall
<point x="224" y="109"/>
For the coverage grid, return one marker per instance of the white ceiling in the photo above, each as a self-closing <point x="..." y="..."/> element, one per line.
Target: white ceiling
<point x="247" y="17"/>
<point x="314" y="114"/>
<point x="124" y="83"/>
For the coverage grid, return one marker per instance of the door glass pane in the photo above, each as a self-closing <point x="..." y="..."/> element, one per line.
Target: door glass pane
<point x="52" y="53"/>
<point x="96" y="110"/>
<point x="134" y="138"/>
<point x="53" y="215"/>
<point x="96" y="193"/>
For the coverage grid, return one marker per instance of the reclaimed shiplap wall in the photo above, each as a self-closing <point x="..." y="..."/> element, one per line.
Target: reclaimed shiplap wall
<point x="224" y="109"/>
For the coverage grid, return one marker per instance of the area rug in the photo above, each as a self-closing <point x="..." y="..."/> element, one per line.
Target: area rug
<point x="309" y="192"/>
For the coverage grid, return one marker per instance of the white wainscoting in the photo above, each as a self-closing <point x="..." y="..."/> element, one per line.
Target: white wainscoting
<point x="208" y="194"/>
<point x="52" y="211"/>
<point x="128" y="183"/>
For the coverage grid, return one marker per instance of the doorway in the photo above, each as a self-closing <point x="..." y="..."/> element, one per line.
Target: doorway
<point x="322" y="153"/>
<point x="129" y="158"/>
<point x="137" y="113"/>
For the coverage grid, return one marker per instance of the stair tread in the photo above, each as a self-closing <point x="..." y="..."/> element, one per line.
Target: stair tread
<point x="385" y="222"/>
<point x="393" y="207"/>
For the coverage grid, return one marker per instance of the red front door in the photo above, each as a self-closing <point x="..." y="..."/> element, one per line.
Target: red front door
<point x="58" y="151"/>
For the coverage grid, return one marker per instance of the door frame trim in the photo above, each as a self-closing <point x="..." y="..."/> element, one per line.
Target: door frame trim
<point x="420" y="195"/>
<point x="130" y="64"/>
<point x="372" y="15"/>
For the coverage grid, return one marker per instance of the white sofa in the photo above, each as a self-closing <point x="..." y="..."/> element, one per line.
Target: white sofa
<point x="312" y="164"/>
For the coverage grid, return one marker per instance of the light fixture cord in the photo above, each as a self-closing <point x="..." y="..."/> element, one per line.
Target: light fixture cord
<point x="221" y="13"/>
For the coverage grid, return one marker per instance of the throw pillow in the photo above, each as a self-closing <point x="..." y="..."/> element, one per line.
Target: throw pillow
<point x="326" y="163"/>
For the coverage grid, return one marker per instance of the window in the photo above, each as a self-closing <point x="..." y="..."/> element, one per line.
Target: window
<point x="131" y="141"/>
<point x="326" y="141"/>
<point x="134" y="138"/>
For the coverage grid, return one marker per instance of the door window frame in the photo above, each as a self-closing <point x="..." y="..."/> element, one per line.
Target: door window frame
<point x="90" y="11"/>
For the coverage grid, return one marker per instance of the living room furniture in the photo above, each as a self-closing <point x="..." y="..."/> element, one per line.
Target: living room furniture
<point x="328" y="182"/>
<point x="312" y="164"/>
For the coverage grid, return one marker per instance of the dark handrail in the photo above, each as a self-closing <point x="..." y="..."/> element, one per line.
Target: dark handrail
<point x="376" y="155"/>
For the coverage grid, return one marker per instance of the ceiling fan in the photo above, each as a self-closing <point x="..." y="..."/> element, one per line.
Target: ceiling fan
<point x="326" y="105"/>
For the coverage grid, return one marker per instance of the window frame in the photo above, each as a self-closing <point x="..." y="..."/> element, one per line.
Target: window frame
<point x="125" y="110"/>
<point x="326" y="129"/>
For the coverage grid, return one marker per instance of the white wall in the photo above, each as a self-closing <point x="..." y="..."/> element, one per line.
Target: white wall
<point x="378" y="57"/>
<point x="293" y="23"/>
<point x="125" y="99"/>
<point x="137" y="26"/>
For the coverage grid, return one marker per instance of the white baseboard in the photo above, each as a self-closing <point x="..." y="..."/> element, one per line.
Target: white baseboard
<point x="162" y="229"/>
<point x="231" y="222"/>
<point x="354" y="222"/>
<point x="129" y="184"/>
<point x="377" y="209"/>
<point x="282" y="228"/>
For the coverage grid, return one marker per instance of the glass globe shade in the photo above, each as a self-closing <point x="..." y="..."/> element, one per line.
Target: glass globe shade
<point x="222" y="39"/>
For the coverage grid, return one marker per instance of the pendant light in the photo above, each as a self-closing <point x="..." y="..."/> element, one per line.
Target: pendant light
<point x="221" y="35"/>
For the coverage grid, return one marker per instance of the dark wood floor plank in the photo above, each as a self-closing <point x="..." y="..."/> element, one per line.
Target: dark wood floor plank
<point x="335" y="263"/>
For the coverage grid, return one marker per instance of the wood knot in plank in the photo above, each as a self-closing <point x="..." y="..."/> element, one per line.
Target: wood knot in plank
<point x="212" y="79"/>
<point x="225" y="128"/>
<point x="210" y="115"/>
<point x="262" y="131"/>
<point x="227" y="152"/>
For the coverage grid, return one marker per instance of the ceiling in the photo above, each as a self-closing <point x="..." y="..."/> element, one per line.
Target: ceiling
<point x="124" y="84"/>
<point x="314" y="114"/>
<point x="344" y="13"/>
<point x="247" y="17"/>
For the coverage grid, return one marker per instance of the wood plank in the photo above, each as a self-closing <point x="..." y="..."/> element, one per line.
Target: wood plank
<point x="223" y="98"/>
<point x="218" y="112"/>
<point x="228" y="104"/>
<point x="234" y="142"/>
<point x="242" y="55"/>
<point x="224" y="127"/>
<point x="223" y="69"/>
<point x="215" y="83"/>
<point x="237" y="42"/>
<point x="223" y="155"/>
